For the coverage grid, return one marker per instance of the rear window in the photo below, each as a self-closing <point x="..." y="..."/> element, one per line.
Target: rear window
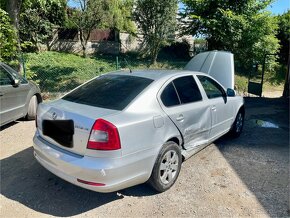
<point x="109" y="91"/>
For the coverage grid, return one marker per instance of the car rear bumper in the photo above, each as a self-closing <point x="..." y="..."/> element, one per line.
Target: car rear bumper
<point x="114" y="173"/>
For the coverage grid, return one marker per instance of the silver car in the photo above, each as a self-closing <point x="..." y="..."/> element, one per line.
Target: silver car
<point x="18" y="96"/>
<point x="125" y="128"/>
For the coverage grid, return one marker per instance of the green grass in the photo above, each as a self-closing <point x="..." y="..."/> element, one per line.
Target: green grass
<point x="58" y="72"/>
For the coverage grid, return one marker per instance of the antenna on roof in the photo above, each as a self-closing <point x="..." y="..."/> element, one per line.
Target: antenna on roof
<point x="128" y="65"/>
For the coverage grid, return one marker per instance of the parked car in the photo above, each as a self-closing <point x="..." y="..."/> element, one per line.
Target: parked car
<point x="18" y="96"/>
<point x="125" y="128"/>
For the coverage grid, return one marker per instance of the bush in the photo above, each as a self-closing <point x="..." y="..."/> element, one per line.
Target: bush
<point x="177" y="50"/>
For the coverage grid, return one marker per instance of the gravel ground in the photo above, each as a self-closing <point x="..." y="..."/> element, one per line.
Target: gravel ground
<point x="248" y="176"/>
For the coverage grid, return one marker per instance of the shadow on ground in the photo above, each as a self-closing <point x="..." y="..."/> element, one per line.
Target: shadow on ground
<point x="7" y="125"/>
<point x="260" y="156"/>
<point x="24" y="180"/>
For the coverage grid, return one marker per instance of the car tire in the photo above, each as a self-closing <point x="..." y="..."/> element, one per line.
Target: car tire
<point x="238" y="125"/>
<point x="32" y="108"/>
<point x="166" y="168"/>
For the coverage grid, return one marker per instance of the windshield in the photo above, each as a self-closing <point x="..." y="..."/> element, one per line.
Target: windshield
<point x="109" y="91"/>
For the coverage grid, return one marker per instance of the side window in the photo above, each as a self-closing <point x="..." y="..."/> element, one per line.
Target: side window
<point x="5" y="78"/>
<point x="187" y="89"/>
<point x="169" y="96"/>
<point x="14" y="74"/>
<point x="211" y="87"/>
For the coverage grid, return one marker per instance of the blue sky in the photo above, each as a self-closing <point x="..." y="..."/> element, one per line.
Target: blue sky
<point x="279" y="6"/>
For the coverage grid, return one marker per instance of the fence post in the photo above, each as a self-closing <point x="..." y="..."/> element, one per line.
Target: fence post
<point x="117" y="63"/>
<point x="23" y="65"/>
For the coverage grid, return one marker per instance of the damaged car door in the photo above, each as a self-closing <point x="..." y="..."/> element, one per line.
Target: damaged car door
<point x="182" y="101"/>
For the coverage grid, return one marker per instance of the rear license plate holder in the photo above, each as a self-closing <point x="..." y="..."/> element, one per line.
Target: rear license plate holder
<point x="61" y="131"/>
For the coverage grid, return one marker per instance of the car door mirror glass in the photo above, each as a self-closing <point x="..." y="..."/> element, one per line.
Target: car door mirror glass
<point x="231" y="92"/>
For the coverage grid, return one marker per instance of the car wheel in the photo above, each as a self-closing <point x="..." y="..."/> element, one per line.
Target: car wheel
<point x="166" y="168"/>
<point x="238" y="125"/>
<point x="32" y="107"/>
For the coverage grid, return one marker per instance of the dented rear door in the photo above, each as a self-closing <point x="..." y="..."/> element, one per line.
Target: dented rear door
<point x="190" y="114"/>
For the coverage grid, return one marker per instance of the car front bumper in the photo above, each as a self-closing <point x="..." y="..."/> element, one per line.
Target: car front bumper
<point x="114" y="173"/>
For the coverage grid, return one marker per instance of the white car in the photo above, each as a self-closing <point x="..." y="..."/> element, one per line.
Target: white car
<point x="125" y="128"/>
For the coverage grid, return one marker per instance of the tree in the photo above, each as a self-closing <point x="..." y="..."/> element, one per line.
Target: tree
<point x="13" y="9"/>
<point x="156" y="21"/>
<point x="39" y="19"/>
<point x="284" y="37"/>
<point x="88" y="16"/>
<point x="8" y="43"/>
<point x="120" y="16"/>
<point x="243" y="27"/>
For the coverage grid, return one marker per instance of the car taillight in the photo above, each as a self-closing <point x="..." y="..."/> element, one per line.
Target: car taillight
<point x="104" y="136"/>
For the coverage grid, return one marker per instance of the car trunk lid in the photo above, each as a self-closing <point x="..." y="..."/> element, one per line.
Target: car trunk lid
<point x="68" y="124"/>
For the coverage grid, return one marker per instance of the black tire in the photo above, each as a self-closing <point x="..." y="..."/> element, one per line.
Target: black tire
<point x="170" y="159"/>
<point x="238" y="125"/>
<point x="32" y="108"/>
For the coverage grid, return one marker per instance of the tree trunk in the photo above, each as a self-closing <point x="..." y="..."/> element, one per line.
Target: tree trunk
<point x="13" y="9"/>
<point x="287" y="78"/>
<point x="84" y="42"/>
<point x="154" y="54"/>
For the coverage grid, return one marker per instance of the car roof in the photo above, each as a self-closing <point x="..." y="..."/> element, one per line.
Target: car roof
<point x="156" y="74"/>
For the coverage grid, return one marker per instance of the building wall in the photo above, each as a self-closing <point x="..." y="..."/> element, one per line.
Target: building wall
<point x="102" y="41"/>
<point x="106" y="47"/>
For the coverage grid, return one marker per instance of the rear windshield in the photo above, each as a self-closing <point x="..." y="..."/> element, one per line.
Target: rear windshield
<point x="109" y="91"/>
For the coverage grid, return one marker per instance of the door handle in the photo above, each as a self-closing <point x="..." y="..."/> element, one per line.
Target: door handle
<point x="180" y="118"/>
<point x="213" y="108"/>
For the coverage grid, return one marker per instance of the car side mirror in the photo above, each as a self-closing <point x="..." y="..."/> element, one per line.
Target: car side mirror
<point x="16" y="82"/>
<point x="231" y="92"/>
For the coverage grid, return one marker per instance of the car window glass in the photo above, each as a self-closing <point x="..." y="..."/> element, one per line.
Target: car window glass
<point x="109" y="91"/>
<point x="4" y="77"/>
<point x="169" y="96"/>
<point x="211" y="88"/>
<point x="14" y="75"/>
<point x="187" y="89"/>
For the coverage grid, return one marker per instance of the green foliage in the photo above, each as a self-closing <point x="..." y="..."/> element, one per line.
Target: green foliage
<point x="120" y="16"/>
<point x="243" y="27"/>
<point x="8" y="44"/>
<point x="156" y="21"/>
<point x="38" y="21"/>
<point x="176" y="51"/>
<point x="284" y="35"/>
<point x="257" y="39"/>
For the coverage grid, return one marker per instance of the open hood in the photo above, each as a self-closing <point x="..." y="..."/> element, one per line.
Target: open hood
<point x="218" y="64"/>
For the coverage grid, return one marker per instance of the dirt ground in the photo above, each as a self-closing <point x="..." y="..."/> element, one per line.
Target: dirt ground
<point x="248" y="176"/>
